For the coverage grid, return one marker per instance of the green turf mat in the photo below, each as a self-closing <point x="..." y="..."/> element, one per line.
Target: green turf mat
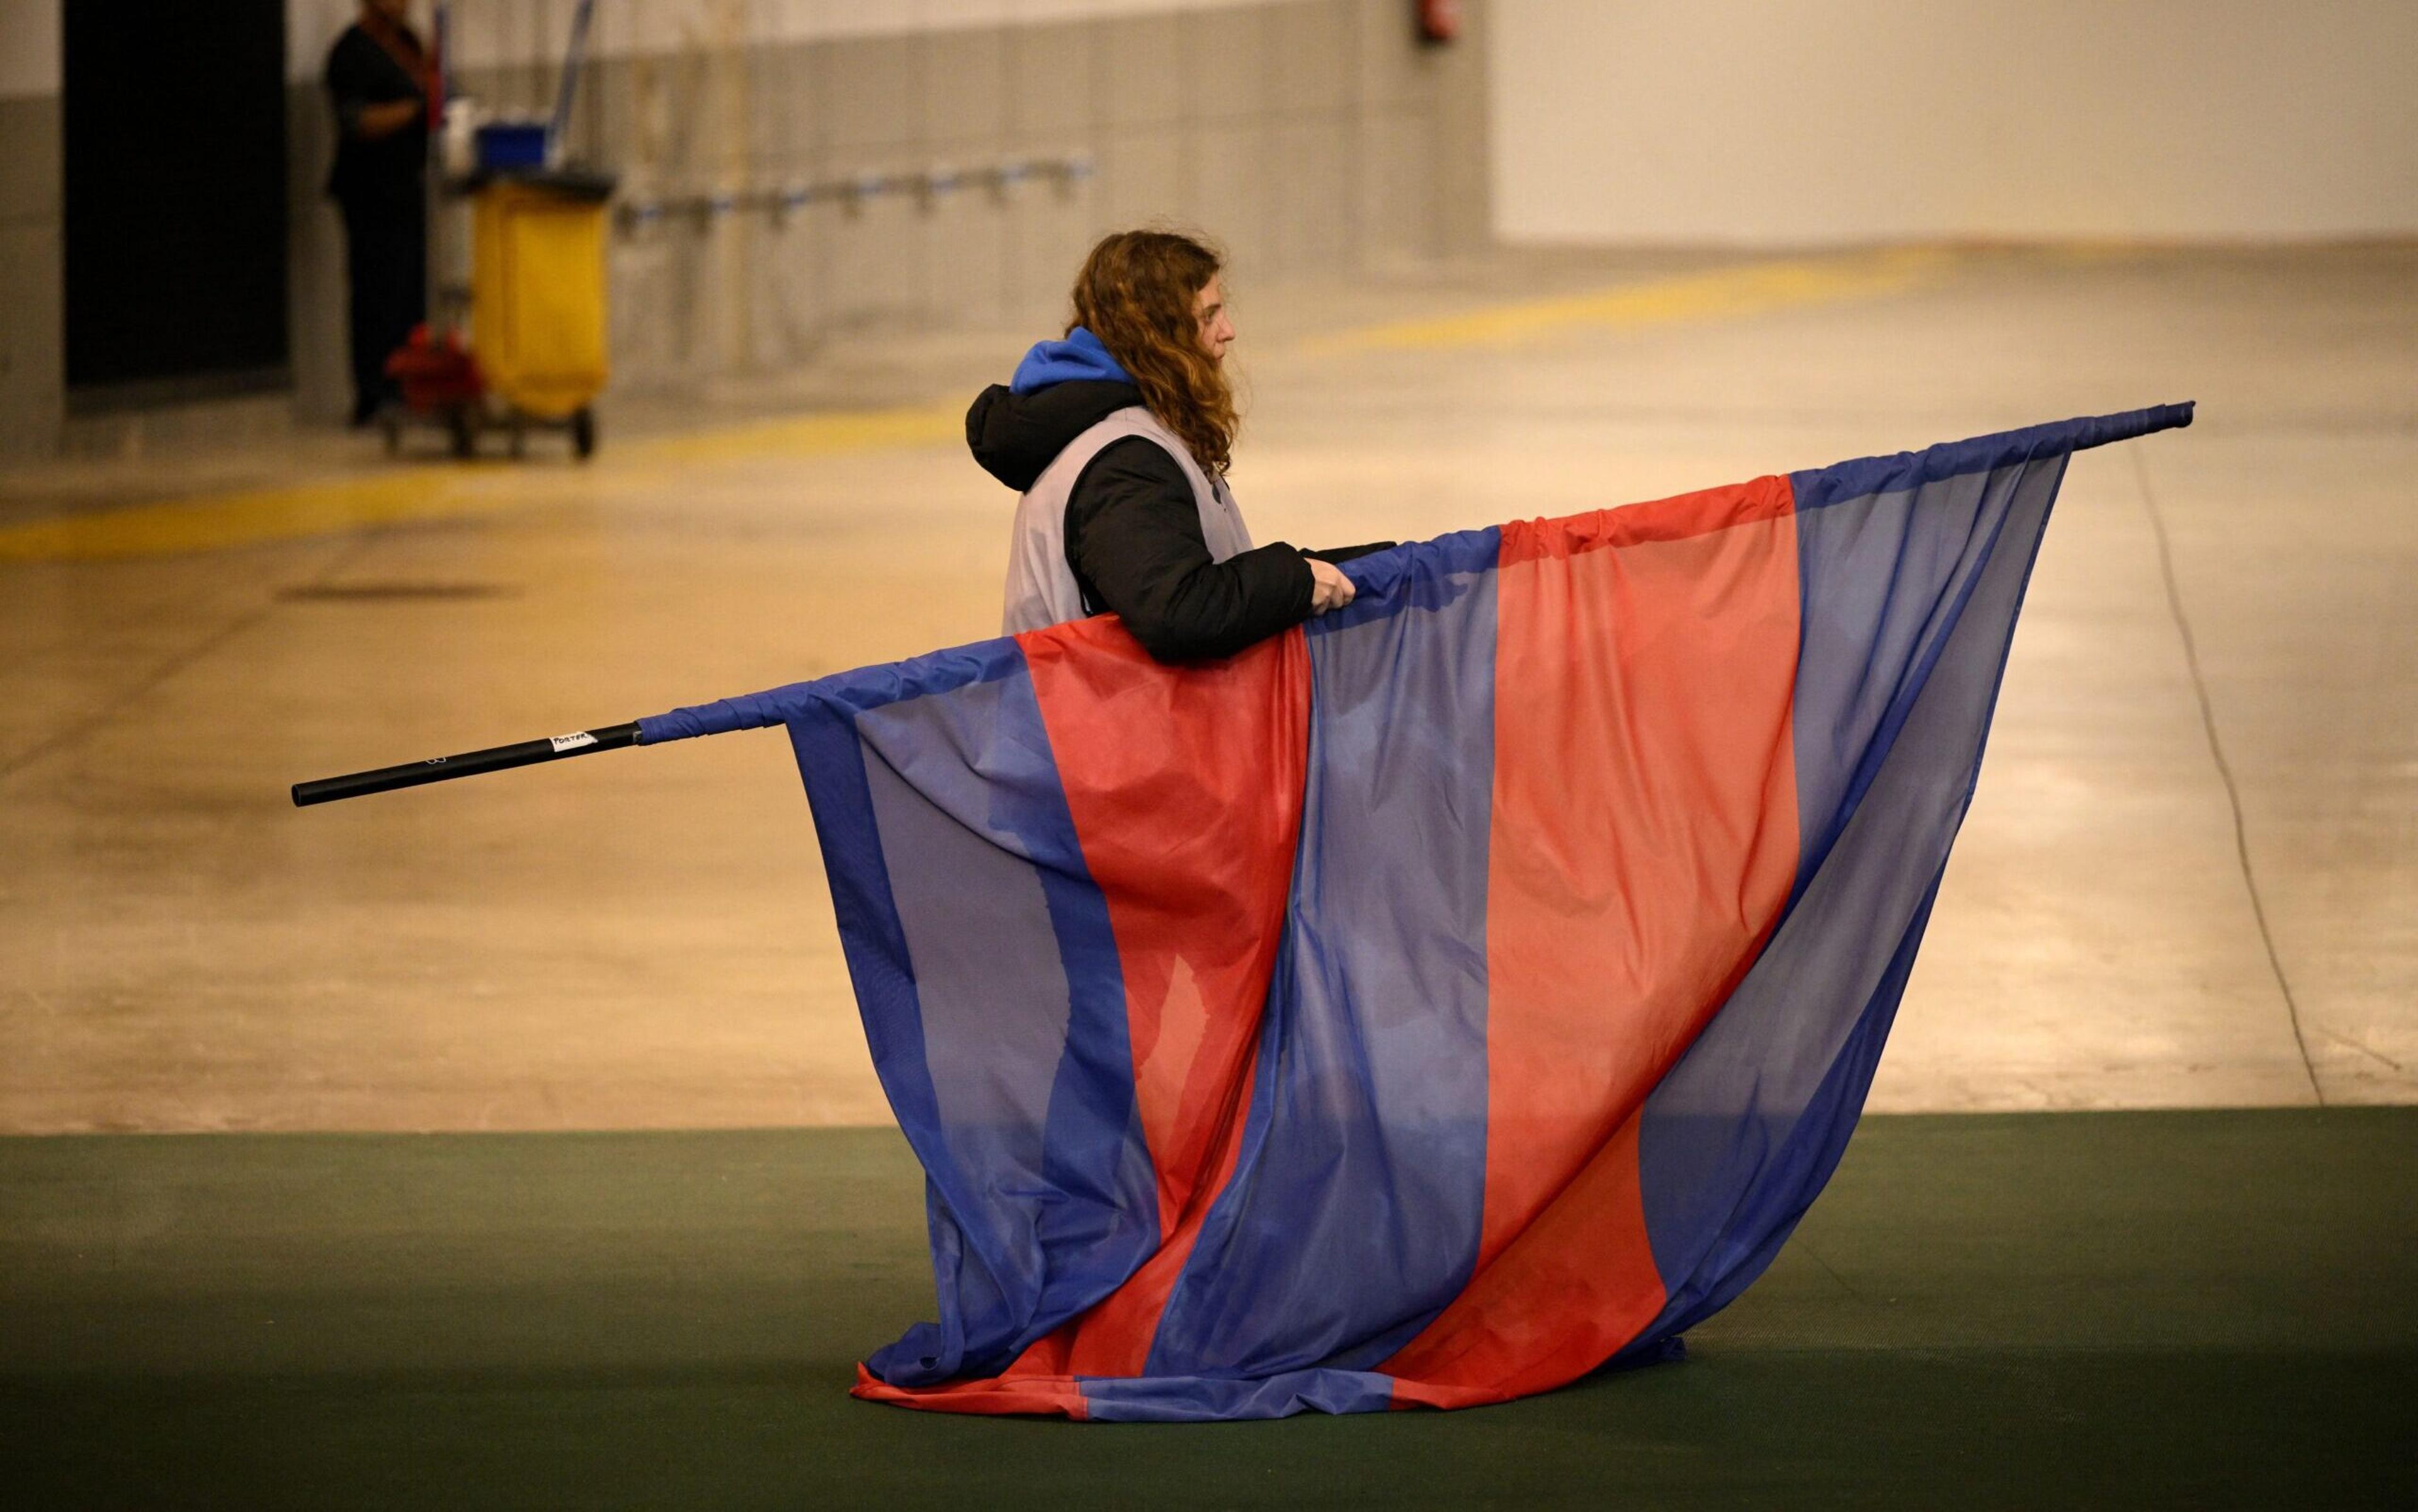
<point x="2174" y="1309"/>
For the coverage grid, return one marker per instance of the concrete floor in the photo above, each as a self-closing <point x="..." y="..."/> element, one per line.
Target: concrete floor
<point x="2190" y="878"/>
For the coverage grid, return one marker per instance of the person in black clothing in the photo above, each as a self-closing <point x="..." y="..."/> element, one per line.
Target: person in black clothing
<point x="1144" y="526"/>
<point x="378" y="81"/>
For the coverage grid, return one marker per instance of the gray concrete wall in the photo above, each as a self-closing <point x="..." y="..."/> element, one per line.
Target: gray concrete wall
<point x="1312" y="136"/>
<point x="32" y="363"/>
<point x="1309" y="135"/>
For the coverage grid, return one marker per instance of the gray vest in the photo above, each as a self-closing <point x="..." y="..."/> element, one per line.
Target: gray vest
<point x="1041" y="590"/>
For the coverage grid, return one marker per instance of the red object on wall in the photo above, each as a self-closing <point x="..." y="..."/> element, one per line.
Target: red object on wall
<point x="1439" y="20"/>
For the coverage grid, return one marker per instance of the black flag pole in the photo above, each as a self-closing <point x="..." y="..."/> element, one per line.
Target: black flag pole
<point x="469" y="763"/>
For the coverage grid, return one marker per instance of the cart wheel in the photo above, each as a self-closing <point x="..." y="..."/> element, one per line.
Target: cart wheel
<point x="390" y="427"/>
<point x="583" y="432"/>
<point x="466" y="435"/>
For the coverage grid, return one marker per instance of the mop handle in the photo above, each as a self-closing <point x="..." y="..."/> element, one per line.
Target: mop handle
<point x="572" y="59"/>
<point x="469" y="763"/>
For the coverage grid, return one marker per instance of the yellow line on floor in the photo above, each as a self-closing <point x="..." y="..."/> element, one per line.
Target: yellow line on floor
<point x="329" y="505"/>
<point x="213" y="522"/>
<point x="1724" y="293"/>
<point x="814" y="436"/>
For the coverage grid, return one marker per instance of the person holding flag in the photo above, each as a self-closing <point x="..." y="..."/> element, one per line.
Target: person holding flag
<point x="1463" y="972"/>
<point x="1119" y="437"/>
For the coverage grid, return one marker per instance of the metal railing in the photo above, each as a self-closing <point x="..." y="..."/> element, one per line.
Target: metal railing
<point x="851" y="194"/>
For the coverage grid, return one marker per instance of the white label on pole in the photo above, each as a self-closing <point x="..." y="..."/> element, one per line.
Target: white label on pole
<point x="571" y="743"/>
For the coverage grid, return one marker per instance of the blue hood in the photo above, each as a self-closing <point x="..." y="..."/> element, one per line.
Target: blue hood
<point x="1081" y="355"/>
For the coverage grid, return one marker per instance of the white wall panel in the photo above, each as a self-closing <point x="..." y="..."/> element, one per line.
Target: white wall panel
<point x="1771" y="122"/>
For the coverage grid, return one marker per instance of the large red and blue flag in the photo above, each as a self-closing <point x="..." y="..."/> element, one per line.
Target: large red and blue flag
<point x="1440" y="1001"/>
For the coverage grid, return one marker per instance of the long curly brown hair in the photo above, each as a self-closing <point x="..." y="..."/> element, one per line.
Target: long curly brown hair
<point x="1135" y="294"/>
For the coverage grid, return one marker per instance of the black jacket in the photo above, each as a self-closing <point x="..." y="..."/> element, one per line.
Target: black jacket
<point x="1133" y="527"/>
<point x="360" y="73"/>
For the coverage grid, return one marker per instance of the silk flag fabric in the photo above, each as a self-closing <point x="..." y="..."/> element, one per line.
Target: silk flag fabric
<point x="1438" y="1001"/>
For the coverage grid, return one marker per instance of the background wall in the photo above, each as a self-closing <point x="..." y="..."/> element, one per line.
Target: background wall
<point x="1766" y="121"/>
<point x="1309" y="134"/>
<point x="32" y="356"/>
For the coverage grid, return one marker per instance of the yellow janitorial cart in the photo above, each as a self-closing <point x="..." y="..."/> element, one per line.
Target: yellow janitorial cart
<point x="535" y="353"/>
<point x="538" y="326"/>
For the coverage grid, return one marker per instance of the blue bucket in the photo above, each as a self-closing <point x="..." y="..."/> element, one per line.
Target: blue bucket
<point x="512" y="145"/>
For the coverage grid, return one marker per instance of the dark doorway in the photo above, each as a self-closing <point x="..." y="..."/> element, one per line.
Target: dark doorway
<point x="174" y="158"/>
